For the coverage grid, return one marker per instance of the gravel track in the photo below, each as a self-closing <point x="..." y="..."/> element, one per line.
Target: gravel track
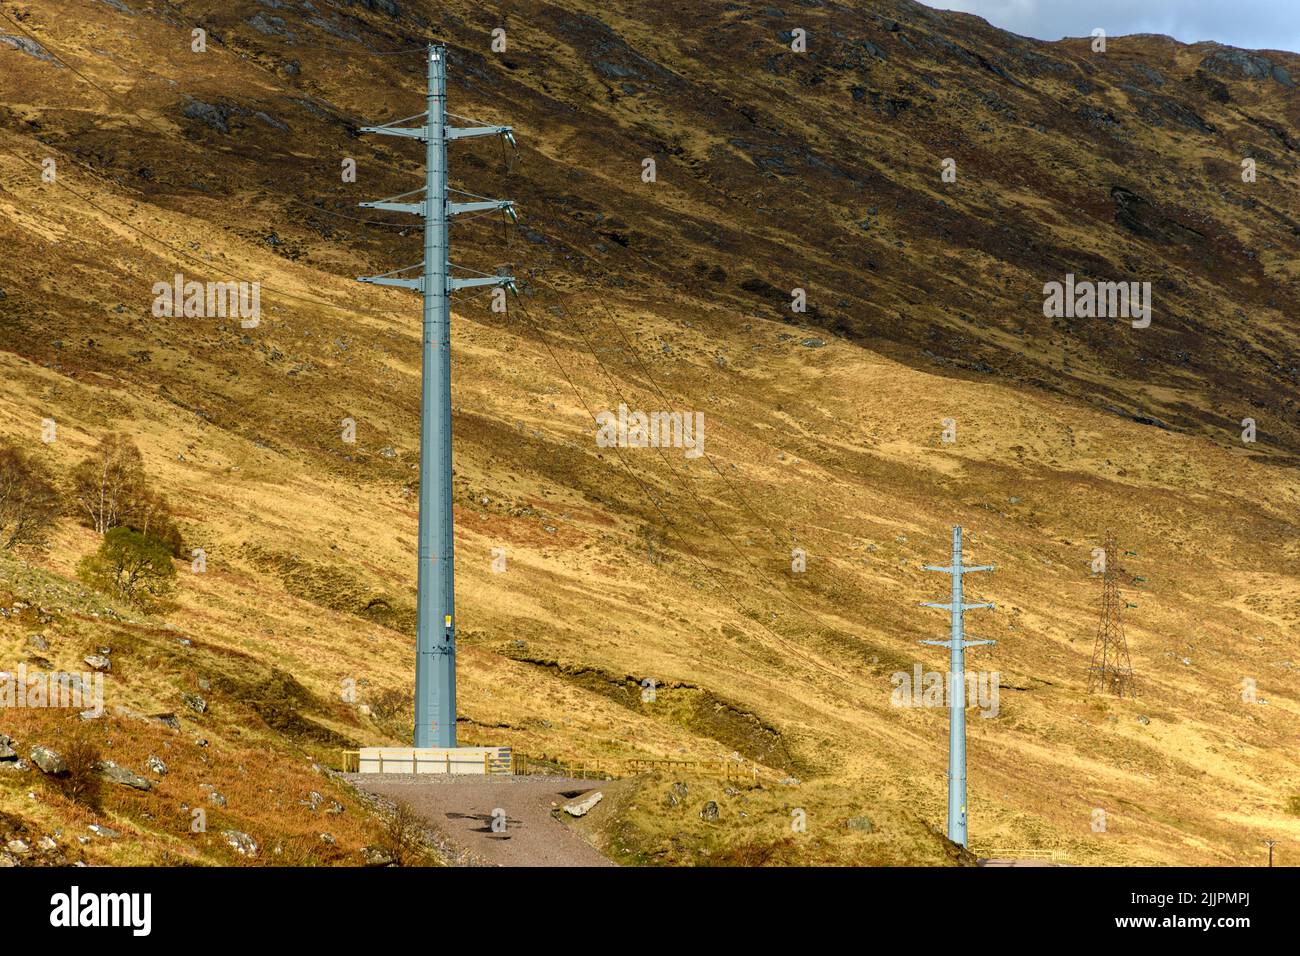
<point x="461" y="807"/>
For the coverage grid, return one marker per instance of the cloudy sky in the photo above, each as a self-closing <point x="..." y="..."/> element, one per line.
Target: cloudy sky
<point x="1253" y="24"/>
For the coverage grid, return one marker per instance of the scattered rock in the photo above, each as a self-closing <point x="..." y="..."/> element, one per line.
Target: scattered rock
<point x="675" y="795"/>
<point x="579" y="808"/>
<point x="861" y="823"/>
<point x="38" y="642"/>
<point x="1143" y="719"/>
<point x="377" y="856"/>
<point x="121" y="776"/>
<point x="710" y="811"/>
<point x="155" y="765"/>
<point x="269" y="25"/>
<point x="168" y="720"/>
<point x="108" y="833"/>
<point x="1251" y="66"/>
<point x="215" y="116"/>
<point x="7" y="751"/>
<point x="328" y="838"/>
<point x="98" y="662"/>
<point x="31" y="48"/>
<point x="790" y="782"/>
<point x="195" y="703"/>
<point x="48" y="760"/>
<point x="241" y="842"/>
<point x="18" y="846"/>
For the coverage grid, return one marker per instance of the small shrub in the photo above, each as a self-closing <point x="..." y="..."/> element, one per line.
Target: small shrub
<point x="82" y="781"/>
<point x="394" y="711"/>
<point x="403" y="837"/>
<point x="1293" y="805"/>
<point x="390" y="704"/>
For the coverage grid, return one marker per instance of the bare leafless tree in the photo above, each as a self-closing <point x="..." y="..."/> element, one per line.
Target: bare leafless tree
<point x="108" y="485"/>
<point x="29" y="503"/>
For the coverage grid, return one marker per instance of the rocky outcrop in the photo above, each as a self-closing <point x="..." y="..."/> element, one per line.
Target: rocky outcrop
<point x="49" y="761"/>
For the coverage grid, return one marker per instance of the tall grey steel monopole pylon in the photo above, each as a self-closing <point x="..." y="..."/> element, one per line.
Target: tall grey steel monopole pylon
<point x="957" y="645"/>
<point x="435" y="665"/>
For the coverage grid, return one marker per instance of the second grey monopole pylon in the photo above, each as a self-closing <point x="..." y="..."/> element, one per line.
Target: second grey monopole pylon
<point x="957" y="645"/>
<point x="435" y="663"/>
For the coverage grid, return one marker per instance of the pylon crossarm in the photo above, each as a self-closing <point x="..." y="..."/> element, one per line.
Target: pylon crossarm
<point x="462" y="132"/>
<point x="414" y="208"/>
<point x="385" y="280"/>
<point x="391" y="278"/>
<point x="507" y="281"/>
<point x="410" y="132"/>
<point x="409" y="192"/>
<point x="456" y="208"/>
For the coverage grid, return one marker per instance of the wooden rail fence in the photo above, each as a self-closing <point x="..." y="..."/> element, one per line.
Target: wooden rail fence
<point x="606" y="769"/>
<point x="514" y="762"/>
<point x="1054" y="856"/>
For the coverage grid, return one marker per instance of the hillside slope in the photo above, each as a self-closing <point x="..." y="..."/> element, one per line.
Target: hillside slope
<point x="775" y="171"/>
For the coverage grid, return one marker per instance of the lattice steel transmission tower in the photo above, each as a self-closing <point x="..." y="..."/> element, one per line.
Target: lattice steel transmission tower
<point x="435" y="660"/>
<point x="1111" y="670"/>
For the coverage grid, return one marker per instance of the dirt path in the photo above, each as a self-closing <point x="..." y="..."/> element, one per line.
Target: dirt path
<point x="462" y="808"/>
